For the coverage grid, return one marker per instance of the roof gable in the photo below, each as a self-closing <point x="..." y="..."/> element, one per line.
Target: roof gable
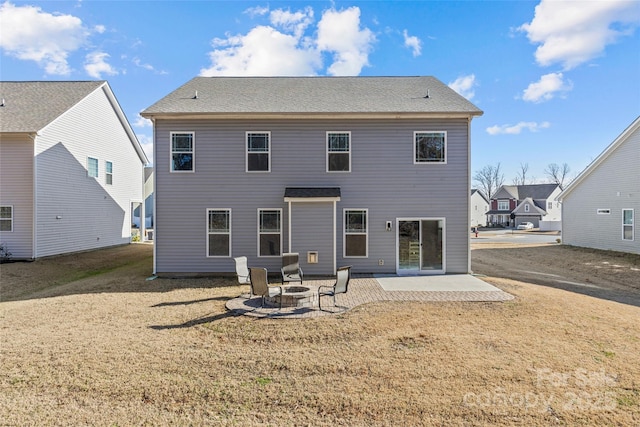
<point x="312" y="95"/>
<point x="621" y="139"/>
<point x="30" y="106"/>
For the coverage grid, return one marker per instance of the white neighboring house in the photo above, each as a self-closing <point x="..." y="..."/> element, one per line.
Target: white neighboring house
<point x="600" y="206"/>
<point x="479" y="208"/>
<point x="71" y="168"/>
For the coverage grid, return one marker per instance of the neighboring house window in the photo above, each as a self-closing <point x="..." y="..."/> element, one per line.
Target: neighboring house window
<point x="549" y="205"/>
<point x="526" y="207"/>
<point x="355" y="233"/>
<point x="218" y="232"/>
<point x="108" y="170"/>
<point x="430" y="147"/>
<point x="338" y="151"/>
<point x="269" y="232"/>
<point x="92" y="167"/>
<point x="603" y="211"/>
<point x="258" y="152"/>
<point x="182" y="151"/>
<point x="503" y="205"/>
<point x="6" y="218"/>
<point x="627" y="224"/>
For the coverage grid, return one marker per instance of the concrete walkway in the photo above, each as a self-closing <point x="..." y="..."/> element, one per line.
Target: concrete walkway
<point x="362" y="290"/>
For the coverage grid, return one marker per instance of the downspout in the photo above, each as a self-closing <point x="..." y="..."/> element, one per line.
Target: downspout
<point x="468" y="195"/>
<point x="34" y="201"/>
<point x="335" y="252"/>
<point x="289" y="226"/>
<point x="155" y="198"/>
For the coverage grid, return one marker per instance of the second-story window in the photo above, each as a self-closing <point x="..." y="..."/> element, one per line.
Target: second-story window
<point x="108" y="170"/>
<point x="503" y="205"/>
<point x="429" y="147"/>
<point x="182" y="151"/>
<point x="338" y="151"/>
<point x="258" y="152"/>
<point x="92" y="167"/>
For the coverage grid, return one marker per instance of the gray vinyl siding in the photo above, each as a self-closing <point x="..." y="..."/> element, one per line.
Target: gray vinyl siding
<point x="76" y="212"/>
<point x="613" y="185"/>
<point x="383" y="179"/>
<point x="16" y="189"/>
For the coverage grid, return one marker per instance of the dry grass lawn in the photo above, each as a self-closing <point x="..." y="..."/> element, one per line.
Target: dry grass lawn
<point x="87" y="340"/>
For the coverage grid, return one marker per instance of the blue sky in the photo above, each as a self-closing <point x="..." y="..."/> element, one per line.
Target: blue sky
<point x="558" y="81"/>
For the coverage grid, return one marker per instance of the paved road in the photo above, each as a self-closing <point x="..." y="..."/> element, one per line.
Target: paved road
<point x="514" y="236"/>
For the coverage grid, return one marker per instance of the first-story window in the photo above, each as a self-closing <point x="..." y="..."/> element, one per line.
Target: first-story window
<point x="258" y="152"/>
<point x="182" y="151"/>
<point x="218" y="232"/>
<point x="429" y="147"/>
<point x="92" y="167"/>
<point x="338" y="151"/>
<point x="270" y="232"/>
<point x="355" y="233"/>
<point x="627" y="224"/>
<point x="108" y="170"/>
<point x="6" y="218"/>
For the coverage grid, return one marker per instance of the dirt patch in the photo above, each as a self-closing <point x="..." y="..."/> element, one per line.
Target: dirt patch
<point x="113" y="348"/>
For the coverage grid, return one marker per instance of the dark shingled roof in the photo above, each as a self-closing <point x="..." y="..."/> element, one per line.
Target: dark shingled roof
<point x="30" y="106"/>
<point x="311" y="192"/>
<point x="312" y="95"/>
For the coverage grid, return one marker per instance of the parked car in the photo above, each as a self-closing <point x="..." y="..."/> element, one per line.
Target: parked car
<point x="525" y="226"/>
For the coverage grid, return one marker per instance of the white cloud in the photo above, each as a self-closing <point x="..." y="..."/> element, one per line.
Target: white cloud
<point x="465" y="85"/>
<point x="138" y="63"/>
<point x="517" y="129"/>
<point x="339" y="32"/>
<point x="574" y="32"/>
<point x="293" y="22"/>
<point x="96" y="65"/>
<point x="285" y="48"/>
<point x="256" y="11"/>
<point x="141" y="122"/>
<point x="30" y="34"/>
<point x="146" y="142"/>
<point x="100" y="29"/>
<point x="413" y="43"/>
<point x="546" y="88"/>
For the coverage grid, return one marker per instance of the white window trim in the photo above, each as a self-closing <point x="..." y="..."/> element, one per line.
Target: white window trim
<point x="526" y="207"/>
<point x="259" y="233"/>
<point x="8" y="219"/>
<point x="632" y="225"/>
<point x="193" y="150"/>
<point x="229" y="232"/>
<point x="348" y="132"/>
<point x="344" y="232"/>
<point x="97" y="167"/>
<point x="444" y="162"/>
<point x="108" y="174"/>
<point x="246" y="150"/>
<point x="502" y="201"/>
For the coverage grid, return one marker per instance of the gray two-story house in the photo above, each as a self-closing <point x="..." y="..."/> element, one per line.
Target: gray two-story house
<point x="371" y="172"/>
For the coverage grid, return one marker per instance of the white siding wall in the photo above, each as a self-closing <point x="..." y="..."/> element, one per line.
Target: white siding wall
<point x="92" y="214"/>
<point x="383" y="180"/>
<point x="479" y="208"/>
<point x="615" y="185"/>
<point x="16" y="189"/>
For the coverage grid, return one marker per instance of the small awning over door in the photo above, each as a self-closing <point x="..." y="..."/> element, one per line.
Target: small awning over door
<point x="312" y="194"/>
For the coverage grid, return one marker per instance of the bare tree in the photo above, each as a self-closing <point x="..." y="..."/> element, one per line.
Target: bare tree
<point x="489" y="179"/>
<point x="521" y="178"/>
<point x="558" y="174"/>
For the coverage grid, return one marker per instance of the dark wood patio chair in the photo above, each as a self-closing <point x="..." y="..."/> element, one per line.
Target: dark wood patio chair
<point x="291" y="271"/>
<point x="260" y="285"/>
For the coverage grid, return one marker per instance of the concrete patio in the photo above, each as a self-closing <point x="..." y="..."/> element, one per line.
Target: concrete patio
<point x="362" y="290"/>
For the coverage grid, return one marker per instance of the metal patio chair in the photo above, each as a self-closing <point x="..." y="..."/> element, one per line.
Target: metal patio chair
<point x="260" y="285"/>
<point x="343" y="276"/>
<point x="291" y="271"/>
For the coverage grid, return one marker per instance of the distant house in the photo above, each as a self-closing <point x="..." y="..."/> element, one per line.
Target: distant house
<point x="371" y="172"/>
<point x="71" y="168"/>
<point x="479" y="208"/>
<point x="512" y="205"/>
<point x="599" y="207"/>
